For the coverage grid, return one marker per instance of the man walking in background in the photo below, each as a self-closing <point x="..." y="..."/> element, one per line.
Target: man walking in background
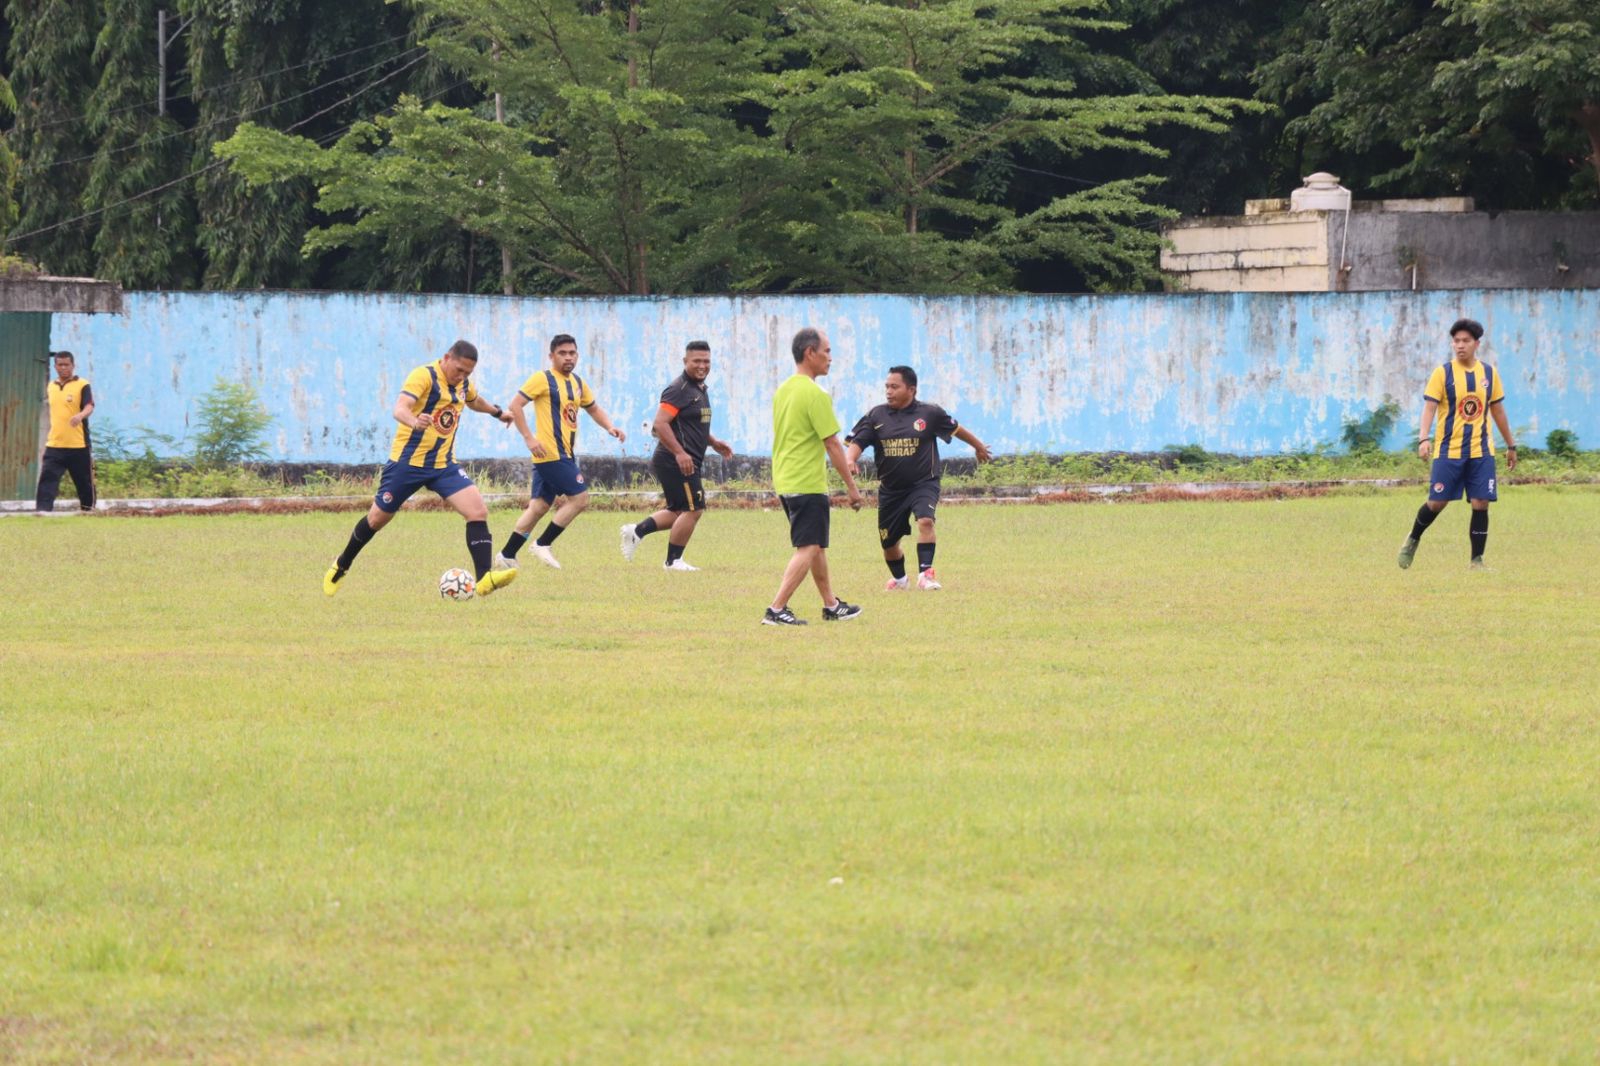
<point x="683" y="431"/>
<point x="66" y="448"/>
<point x="804" y="429"/>
<point x="557" y="395"/>
<point x="904" y="435"/>
<point x="1469" y="393"/>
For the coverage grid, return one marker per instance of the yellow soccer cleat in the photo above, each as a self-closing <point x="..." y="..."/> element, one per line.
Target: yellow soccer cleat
<point x="495" y="579"/>
<point x="330" y="580"/>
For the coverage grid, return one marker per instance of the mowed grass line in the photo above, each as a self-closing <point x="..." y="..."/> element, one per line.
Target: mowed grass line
<point x="1145" y="782"/>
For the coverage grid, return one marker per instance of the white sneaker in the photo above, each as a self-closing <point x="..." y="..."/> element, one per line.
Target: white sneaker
<point x="544" y="555"/>
<point x="679" y="564"/>
<point x="630" y="542"/>
<point x="504" y="562"/>
<point x="927" y="582"/>
<point x="898" y="584"/>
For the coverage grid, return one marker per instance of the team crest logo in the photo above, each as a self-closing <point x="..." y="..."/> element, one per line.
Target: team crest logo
<point x="388" y="497"/>
<point x="920" y="424"/>
<point x="1470" y="408"/>
<point x="445" y="421"/>
<point x="580" y="479"/>
<point x="569" y="414"/>
<point x="1438" y="486"/>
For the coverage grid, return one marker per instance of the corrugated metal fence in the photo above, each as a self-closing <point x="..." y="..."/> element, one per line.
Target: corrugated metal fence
<point x="24" y="371"/>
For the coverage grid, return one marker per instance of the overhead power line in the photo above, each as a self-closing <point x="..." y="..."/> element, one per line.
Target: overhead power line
<point x="323" y="140"/>
<point x="147" y="141"/>
<point x="230" y="84"/>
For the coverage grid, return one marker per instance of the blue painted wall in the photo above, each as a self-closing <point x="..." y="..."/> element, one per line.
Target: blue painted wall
<point x="1248" y="373"/>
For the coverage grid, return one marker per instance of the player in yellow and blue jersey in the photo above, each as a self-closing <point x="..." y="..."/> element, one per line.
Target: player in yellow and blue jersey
<point x="423" y="456"/>
<point x="1461" y="397"/>
<point x="556" y="396"/>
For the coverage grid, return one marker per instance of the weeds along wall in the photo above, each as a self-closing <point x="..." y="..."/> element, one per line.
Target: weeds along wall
<point x="1242" y="373"/>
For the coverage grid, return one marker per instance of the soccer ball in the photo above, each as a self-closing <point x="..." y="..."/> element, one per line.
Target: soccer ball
<point x="456" y="584"/>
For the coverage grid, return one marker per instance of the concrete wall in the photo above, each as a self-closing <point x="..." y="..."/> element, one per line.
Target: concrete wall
<point x="1477" y="250"/>
<point x="1236" y="373"/>
<point x="1302" y="251"/>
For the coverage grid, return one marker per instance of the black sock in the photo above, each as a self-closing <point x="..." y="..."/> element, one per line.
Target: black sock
<point x="674" y="553"/>
<point x="358" y="540"/>
<point x="514" y="544"/>
<point x="481" y="545"/>
<point x="645" y="528"/>
<point x="924" y="557"/>
<point x="1478" y="532"/>
<point x="551" y="532"/>
<point x="1425" y="519"/>
<point x="897" y="567"/>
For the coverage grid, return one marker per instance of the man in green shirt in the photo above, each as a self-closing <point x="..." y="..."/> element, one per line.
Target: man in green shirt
<point x="804" y="429"/>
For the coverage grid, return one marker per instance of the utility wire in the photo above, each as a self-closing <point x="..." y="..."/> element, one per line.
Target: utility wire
<point x="146" y="142"/>
<point x="223" y="162"/>
<point x="231" y="84"/>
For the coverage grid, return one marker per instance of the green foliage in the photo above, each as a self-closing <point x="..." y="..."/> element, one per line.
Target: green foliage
<point x="1188" y="454"/>
<point x="231" y="421"/>
<point x="8" y="164"/>
<point x="1499" y="99"/>
<point x="1562" y="443"/>
<point x="842" y="145"/>
<point x="1367" y="434"/>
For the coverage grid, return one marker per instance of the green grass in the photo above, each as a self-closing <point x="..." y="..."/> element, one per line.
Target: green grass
<point x="1178" y="782"/>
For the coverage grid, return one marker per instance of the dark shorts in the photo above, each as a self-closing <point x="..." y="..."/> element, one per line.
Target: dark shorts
<point x="400" y="482"/>
<point x="682" y="493"/>
<point x="897" y="507"/>
<point x="558" y="477"/>
<point x="808" y="519"/>
<point x="1451" y="479"/>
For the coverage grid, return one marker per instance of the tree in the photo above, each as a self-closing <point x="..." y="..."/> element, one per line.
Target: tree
<point x="843" y="144"/>
<point x="1482" y="97"/>
<point x="622" y="166"/>
<point x="923" y="96"/>
<point x="51" y="76"/>
<point x="8" y="166"/>
<point x="148" y="242"/>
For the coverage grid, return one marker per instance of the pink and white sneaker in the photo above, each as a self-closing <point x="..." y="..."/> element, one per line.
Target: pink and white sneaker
<point x="927" y="581"/>
<point x="898" y="584"/>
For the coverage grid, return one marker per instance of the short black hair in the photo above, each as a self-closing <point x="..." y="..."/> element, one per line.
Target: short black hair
<point x="464" y="350"/>
<point x="1471" y="326"/>
<point x="63" y="355"/>
<point x="562" y="338"/>
<point x="806" y="338"/>
<point x="907" y="375"/>
<point x="697" y="346"/>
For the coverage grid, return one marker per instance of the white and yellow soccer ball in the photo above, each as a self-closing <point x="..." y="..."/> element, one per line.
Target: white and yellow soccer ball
<point x="456" y="584"/>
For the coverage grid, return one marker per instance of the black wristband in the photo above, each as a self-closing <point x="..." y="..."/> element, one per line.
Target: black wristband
<point x="499" y="411"/>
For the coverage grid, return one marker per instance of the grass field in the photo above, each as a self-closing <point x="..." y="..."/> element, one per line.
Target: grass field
<point x="1176" y="782"/>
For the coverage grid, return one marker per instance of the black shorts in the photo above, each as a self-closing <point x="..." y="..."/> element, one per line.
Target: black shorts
<point x="682" y="493"/>
<point x="808" y="519"/>
<point x="897" y="507"/>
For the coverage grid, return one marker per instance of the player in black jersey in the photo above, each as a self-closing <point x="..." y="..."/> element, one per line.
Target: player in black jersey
<point x="904" y="435"/>
<point x="683" y="431"/>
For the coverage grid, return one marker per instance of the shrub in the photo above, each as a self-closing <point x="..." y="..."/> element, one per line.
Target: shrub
<point x="1367" y="434"/>
<point x="1562" y="443"/>
<point x="232" y="421"/>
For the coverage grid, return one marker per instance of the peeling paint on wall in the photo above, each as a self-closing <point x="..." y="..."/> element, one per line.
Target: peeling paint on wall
<point x="1244" y="373"/>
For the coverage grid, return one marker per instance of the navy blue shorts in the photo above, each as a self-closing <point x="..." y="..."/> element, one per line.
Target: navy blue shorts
<point x="400" y="482"/>
<point x="559" y="477"/>
<point x="1454" y="478"/>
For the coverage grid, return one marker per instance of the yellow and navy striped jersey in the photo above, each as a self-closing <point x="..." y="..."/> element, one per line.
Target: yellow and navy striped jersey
<point x="1464" y="396"/>
<point x="67" y="399"/>
<point x="554" y="399"/>
<point x="432" y="447"/>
